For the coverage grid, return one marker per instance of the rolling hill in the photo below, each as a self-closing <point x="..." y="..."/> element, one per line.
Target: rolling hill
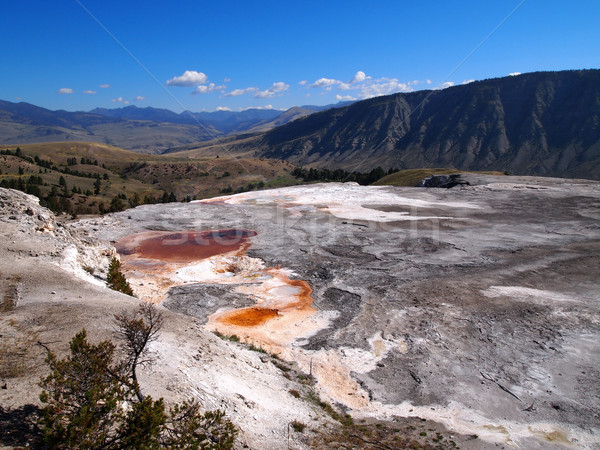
<point x="222" y="122"/>
<point x="87" y="177"/>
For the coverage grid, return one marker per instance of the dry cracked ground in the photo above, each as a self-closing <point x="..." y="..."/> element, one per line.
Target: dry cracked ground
<point x="471" y="311"/>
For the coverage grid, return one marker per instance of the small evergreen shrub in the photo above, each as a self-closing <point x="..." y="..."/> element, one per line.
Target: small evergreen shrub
<point x="298" y="426"/>
<point x="294" y="393"/>
<point x="116" y="280"/>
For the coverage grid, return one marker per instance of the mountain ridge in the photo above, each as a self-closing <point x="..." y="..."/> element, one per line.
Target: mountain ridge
<point x="144" y="130"/>
<point x="543" y="123"/>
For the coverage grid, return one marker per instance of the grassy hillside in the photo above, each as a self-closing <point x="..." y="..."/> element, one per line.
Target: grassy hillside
<point x="91" y="178"/>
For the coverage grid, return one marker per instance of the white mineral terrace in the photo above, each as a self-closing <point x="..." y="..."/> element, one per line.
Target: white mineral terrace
<point x="284" y="318"/>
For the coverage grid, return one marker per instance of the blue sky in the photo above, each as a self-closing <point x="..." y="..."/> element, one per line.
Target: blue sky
<point x="196" y="55"/>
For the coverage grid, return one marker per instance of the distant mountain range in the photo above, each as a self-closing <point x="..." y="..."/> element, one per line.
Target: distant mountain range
<point x="147" y="130"/>
<point x="542" y="123"/>
<point x="223" y="122"/>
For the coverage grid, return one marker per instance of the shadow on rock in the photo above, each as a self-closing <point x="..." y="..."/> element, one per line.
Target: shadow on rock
<point x="19" y="427"/>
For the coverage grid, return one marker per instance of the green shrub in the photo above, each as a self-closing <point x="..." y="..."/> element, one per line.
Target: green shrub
<point x="232" y="338"/>
<point x="294" y="393"/>
<point x="85" y="397"/>
<point x="298" y="426"/>
<point x="281" y="366"/>
<point x="256" y="349"/>
<point x="115" y="278"/>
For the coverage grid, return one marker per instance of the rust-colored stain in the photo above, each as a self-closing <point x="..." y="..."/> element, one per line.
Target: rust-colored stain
<point x="184" y="246"/>
<point x="278" y="305"/>
<point x="248" y="317"/>
<point x="304" y="298"/>
<point x="153" y="257"/>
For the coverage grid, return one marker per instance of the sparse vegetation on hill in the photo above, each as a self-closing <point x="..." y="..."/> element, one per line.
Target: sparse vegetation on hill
<point x="311" y="175"/>
<point x="88" y="178"/>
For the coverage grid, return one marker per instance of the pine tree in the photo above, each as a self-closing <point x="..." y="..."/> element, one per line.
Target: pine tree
<point x="97" y="186"/>
<point x="81" y="396"/>
<point x="93" y="401"/>
<point x="115" y="278"/>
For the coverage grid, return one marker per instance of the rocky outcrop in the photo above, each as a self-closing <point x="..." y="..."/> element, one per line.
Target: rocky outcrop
<point x="71" y="249"/>
<point x="443" y="181"/>
<point x="24" y="209"/>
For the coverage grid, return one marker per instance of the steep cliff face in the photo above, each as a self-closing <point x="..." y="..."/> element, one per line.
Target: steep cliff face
<point x="540" y="123"/>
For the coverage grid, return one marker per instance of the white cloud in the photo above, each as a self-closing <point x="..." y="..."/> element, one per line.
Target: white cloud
<point x="226" y="80"/>
<point x="223" y="108"/>
<point x="206" y="88"/>
<point x="468" y="81"/>
<point x="382" y="86"/>
<point x="257" y="107"/>
<point x="512" y="74"/>
<point x="275" y="89"/>
<point x="330" y="83"/>
<point x="303" y="82"/>
<point x="325" y="83"/>
<point x="104" y="86"/>
<point x="189" y="78"/>
<point x="120" y="100"/>
<point x="139" y="98"/>
<point x="358" y="77"/>
<point x="428" y="81"/>
<point x="445" y="84"/>
<point x="366" y="86"/>
<point x="280" y="86"/>
<point x="237" y="92"/>
<point x="344" y="97"/>
<point x="264" y="94"/>
<point x="66" y="91"/>
<point x="89" y="91"/>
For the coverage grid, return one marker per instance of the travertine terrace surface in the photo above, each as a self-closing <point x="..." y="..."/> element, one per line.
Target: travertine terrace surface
<point x="476" y="306"/>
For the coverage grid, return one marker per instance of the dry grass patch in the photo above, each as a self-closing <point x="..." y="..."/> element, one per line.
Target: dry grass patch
<point x="17" y="344"/>
<point x="10" y="298"/>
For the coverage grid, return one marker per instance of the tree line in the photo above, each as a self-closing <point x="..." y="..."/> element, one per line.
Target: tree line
<point x="340" y="175"/>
